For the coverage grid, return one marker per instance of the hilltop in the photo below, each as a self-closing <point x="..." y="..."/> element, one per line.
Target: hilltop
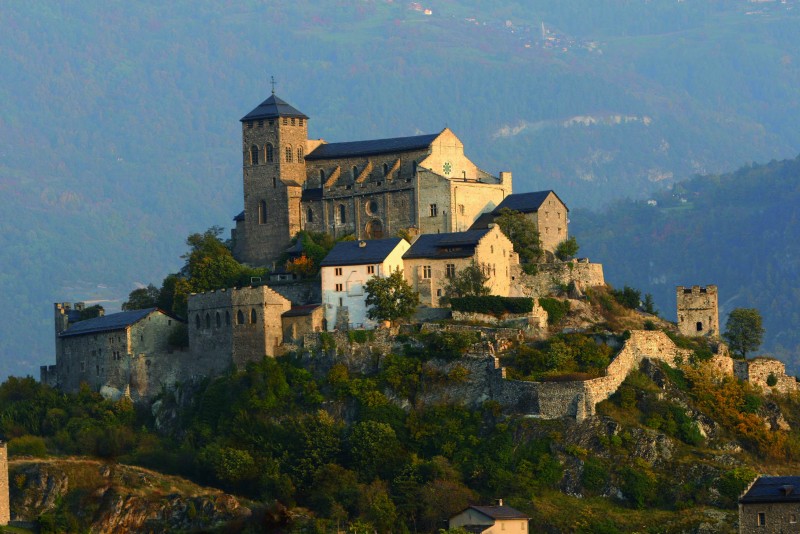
<point x="389" y="432"/>
<point x="120" y="123"/>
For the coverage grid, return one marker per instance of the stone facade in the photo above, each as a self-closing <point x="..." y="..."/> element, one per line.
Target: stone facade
<point x="770" y="504"/>
<point x="5" y="503"/>
<point x="550" y="275"/>
<point x="698" y="311"/>
<point x="429" y="272"/>
<point x="124" y="353"/>
<point x="370" y="189"/>
<point x="235" y="326"/>
<point x="302" y="320"/>
<point x="759" y="370"/>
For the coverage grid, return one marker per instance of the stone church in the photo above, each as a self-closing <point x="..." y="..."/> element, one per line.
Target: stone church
<point x="421" y="185"/>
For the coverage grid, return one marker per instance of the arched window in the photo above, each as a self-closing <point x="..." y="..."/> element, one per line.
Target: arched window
<point x="300" y="155"/>
<point x="414" y="167"/>
<point x="227" y="318"/>
<point x="342" y="214"/>
<point x="288" y="154"/>
<point x="309" y="215"/>
<point x="253" y="316"/>
<point x="208" y="321"/>
<point x="254" y="155"/>
<point x="270" y="156"/>
<point x="355" y="172"/>
<point x="239" y="317"/>
<point x="262" y="212"/>
<point x="274" y="182"/>
<point x="219" y="320"/>
<point x="197" y="321"/>
<point x="385" y="169"/>
<point x="322" y="177"/>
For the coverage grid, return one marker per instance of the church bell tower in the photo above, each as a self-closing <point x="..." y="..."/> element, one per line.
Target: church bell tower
<point x="274" y="139"/>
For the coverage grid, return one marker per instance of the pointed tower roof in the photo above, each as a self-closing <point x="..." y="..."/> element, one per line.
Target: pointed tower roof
<point x="271" y="108"/>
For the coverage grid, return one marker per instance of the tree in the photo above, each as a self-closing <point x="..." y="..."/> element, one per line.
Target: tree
<point x="390" y="298"/>
<point x="744" y="331"/>
<point x="468" y="282"/>
<point x="567" y="249"/>
<point x="142" y="298"/>
<point x="522" y="233"/>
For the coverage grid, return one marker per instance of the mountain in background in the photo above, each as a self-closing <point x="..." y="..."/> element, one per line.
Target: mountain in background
<point x="119" y="130"/>
<point x="737" y="230"/>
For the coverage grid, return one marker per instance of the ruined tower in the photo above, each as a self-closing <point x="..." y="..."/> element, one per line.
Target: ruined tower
<point x="698" y="311"/>
<point x="5" y="503"/>
<point x="274" y="139"/>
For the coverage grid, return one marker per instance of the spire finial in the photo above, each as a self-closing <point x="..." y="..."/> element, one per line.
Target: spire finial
<point x="272" y="78"/>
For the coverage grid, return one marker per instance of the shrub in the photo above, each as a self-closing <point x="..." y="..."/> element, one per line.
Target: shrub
<point x="556" y="309"/>
<point x="492" y="304"/>
<point x="27" y="446"/>
<point x="772" y="380"/>
<point x="628" y="297"/>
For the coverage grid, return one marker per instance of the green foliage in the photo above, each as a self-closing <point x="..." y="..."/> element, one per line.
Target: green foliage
<point x="90" y="312"/>
<point x="27" y="446"/>
<point x="391" y="298"/>
<point x="179" y="337"/>
<point x="772" y="380"/>
<point x="556" y="309"/>
<point x="492" y="304"/>
<point x="638" y="484"/>
<point x="468" y="282"/>
<point x="142" y="298"/>
<point x="360" y="336"/>
<point x="522" y="233"/>
<point x="595" y="475"/>
<point x="562" y="357"/>
<point x="734" y="481"/>
<point x="648" y="305"/>
<point x="627" y="297"/>
<point x="448" y="345"/>
<point x="567" y="249"/>
<point x="744" y="331"/>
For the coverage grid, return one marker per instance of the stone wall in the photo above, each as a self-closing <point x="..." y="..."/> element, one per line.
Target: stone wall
<point x="537" y="318"/>
<point x="778" y="517"/>
<point x="758" y="370"/>
<point x="551" y="275"/>
<point x="5" y="503"/>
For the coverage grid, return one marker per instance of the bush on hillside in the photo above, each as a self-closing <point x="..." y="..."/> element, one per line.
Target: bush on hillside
<point x="492" y="304"/>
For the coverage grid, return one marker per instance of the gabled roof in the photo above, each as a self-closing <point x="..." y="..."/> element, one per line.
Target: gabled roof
<point x="525" y="202"/>
<point x="375" y="146"/>
<point x="354" y="253"/>
<point x="300" y="311"/>
<point x="483" y="221"/>
<point x="500" y="512"/>
<point x="114" y="321"/>
<point x="451" y="245"/>
<point x="773" y="489"/>
<point x="271" y="108"/>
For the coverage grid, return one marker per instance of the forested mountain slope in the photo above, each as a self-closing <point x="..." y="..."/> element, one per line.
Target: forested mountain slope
<point x="738" y="230"/>
<point x="119" y="130"/>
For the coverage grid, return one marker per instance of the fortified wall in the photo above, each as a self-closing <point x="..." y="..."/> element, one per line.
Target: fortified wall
<point x="550" y="276"/>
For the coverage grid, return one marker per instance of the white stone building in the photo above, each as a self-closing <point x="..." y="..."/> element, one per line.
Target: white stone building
<point x="345" y="271"/>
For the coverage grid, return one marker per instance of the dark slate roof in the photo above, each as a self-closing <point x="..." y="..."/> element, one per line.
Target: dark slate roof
<point x="500" y="512"/>
<point x="239" y="217"/>
<point x="773" y="489"/>
<point x="314" y="193"/>
<point x="351" y="253"/>
<point x="483" y="221"/>
<point x="271" y="108"/>
<point x="115" y="321"/>
<point x="452" y="245"/>
<point x="375" y="146"/>
<point x="299" y="311"/>
<point x="525" y="202"/>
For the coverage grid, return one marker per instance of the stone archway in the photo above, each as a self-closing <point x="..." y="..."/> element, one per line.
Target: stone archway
<point x="374" y="229"/>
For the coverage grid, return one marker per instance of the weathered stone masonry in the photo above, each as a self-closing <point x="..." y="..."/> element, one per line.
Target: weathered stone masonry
<point x="5" y="504"/>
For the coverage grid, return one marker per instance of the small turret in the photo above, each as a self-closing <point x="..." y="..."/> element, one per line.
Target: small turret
<point x="698" y="311"/>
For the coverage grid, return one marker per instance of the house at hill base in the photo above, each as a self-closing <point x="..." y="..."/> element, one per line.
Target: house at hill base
<point x="770" y="504"/>
<point x="490" y="519"/>
<point x="345" y="272"/>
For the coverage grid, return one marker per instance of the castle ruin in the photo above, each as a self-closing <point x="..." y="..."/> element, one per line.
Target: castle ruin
<point x="698" y="311"/>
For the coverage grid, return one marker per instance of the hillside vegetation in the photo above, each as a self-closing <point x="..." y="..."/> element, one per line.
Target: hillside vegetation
<point x="119" y="132"/>
<point x="735" y="230"/>
<point x="342" y="440"/>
